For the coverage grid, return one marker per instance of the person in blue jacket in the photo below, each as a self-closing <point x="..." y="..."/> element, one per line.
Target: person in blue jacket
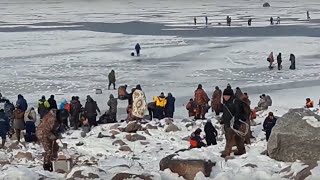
<point x="4" y="127"/>
<point x="169" y="108"/>
<point x="22" y="103"/>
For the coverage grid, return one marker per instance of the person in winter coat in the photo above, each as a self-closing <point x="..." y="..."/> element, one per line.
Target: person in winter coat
<point x="137" y="48"/>
<point x="161" y="103"/>
<point x="246" y="99"/>
<point x="47" y="135"/>
<point x="216" y="101"/>
<point x="91" y="109"/>
<point x="30" y="118"/>
<point x="22" y="103"/>
<point x="309" y="103"/>
<point x="63" y="113"/>
<point x="75" y="108"/>
<point x="43" y="107"/>
<point x="262" y="104"/>
<point x="52" y="102"/>
<point x="196" y="140"/>
<point x="169" y="108"/>
<point x="151" y="107"/>
<point x="279" y="61"/>
<point x="8" y="110"/>
<point x="191" y="107"/>
<point x="268" y="124"/>
<point x="271" y="20"/>
<point x="113" y="105"/>
<point x="293" y="62"/>
<point x="4" y="127"/>
<point x="230" y="91"/>
<point x="130" y="98"/>
<point x="122" y="92"/>
<point x="112" y="79"/>
<point x="201" y="99"/>
<point x="18" y="123"/>
<point x="211" y="133"/>
<point x="268" y="99"/>
<point x="232" y="110"/>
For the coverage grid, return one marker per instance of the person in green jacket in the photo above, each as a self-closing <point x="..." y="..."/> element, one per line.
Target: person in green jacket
<point x="112" y="79"/>
<point x="43" y="107"/>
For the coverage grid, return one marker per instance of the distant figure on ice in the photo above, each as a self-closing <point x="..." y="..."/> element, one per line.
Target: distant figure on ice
<point x="201" y="99"/>
<point x="206" y="18"/>
<point x="271" y="20"/>
<point x="278" y="20"/>
<point x="309" y="103"/>
<point x="195" y="21"/>
<point x="308" y="15"/>
<point x="249" y="22"/>
<point x="228" y="21"/>
<point x="161" y="102"/>
<point x="113" y="105"/>
<point x="293" y="62"/>
<point x="4" y="127"/>
<point x="112" y="79"/>
<point x="268" y="124"/>
<point x="122" y="92"/>
<point x="270" y="59"/>
<point x="169" y="108"/>
<point x="196" y="140"/>
<point x="279" y="61"/>
<point x="211" y="133"/>
<point x="191" y="107"/>
<point x="137" y="48"/>
<point x="216" y="101"/>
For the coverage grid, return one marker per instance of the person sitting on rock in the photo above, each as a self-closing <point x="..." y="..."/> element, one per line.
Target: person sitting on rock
<point x="196" y="140"/>
<point x="122" y="92"/>
<point x="211" y="133"/>
<point x="4" y="127"/>
<point x="262" y="104"/>
<point x="191" y="107"/>
<point x="268" y="124"/>
<point x="309" y="103"/>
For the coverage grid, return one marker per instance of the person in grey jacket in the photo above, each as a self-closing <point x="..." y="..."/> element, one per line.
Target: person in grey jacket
<point x="113" y="104"/>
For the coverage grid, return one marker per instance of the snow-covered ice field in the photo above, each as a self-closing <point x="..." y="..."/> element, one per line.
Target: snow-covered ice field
<point x="68" y="48"/>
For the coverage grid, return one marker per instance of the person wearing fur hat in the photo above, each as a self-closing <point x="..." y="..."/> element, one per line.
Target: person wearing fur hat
<point x="201" y="98"/>
<point x="216" y="101"/>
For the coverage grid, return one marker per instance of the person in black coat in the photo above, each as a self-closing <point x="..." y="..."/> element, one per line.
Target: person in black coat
<point x="279" y="61"/>
<point x="268" y="124"/>
<point x="211" y="133"/>
<point x="169" y="108"/>
<point x="52" y="102"/>
<point x="137" y="48"/>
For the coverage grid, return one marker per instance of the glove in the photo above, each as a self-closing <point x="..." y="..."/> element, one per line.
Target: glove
<point x="53" y="137"/>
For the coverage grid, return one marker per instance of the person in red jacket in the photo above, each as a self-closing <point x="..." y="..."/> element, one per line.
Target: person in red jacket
<point x="201" y="99"/>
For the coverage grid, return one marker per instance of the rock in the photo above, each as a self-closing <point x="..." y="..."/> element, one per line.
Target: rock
<point x="80" y="175"/>
<point x="14" y="145"/>
<point x="149" y="126"/>
<point x="186" y="168"/>
<point x="250" y="165"/>
<point x="191" y="124"/>
<point x="290" y="173"/>
<point x="266" y="4"/>
<point x="115" y="126"/>
<point x="186" y="138"/>
<point x="147" y="132"/>
<point x="135" y="137"/>
<point x="296" y="136"/>
<point x="172" y="139"/>
<point x="26" y="155"/>
<point x="123" y="176"/>
<point x="114" y="132"/>
<point x="144" y="142"/>
<point x="186" y="120"/>
<point x="119" y="142"/>
<point x="133" y="127"/>
<point x="4" y="162"/>
<point x="125" y="148"/>
<point x="80" y="144"/>
<point x="168" y="121"/>
<point x="121" y="129"/>
<point x="172" y="128"/>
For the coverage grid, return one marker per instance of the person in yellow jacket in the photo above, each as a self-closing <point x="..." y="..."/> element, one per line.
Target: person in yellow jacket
<point x="161" y="102"/>
<point x="43" y="107"/>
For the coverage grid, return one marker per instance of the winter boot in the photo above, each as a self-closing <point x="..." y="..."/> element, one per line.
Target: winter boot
<point x="48" y="167"/>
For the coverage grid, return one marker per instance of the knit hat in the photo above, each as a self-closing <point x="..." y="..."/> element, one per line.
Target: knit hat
<point x="228" y="92"/>
<point x="270" y="113"/>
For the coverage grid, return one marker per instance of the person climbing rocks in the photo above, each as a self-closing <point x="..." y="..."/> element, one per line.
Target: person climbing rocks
<point x="196" y="140"/>
<point x="216" y="101"/>
<point x="170" y="106"/>
<point x="279" y="61"/>
<point x="309" y="103"/>
<point x="201" y="99"/>
<point x="231" y="110"/>
<point x="91" y="108"/>
<point x="211" y="133"/>
<point x="122" y="92"/>
<point x="137" y="48"/>
<point x="113" y="105"/>
<point x="191" y="107"/>
<point x="4" y="127"/>
<point x="47" y="135"/>
<point x="75" y="108"/>
<point x="112" y="79"/>
<point x="293" y="62"/>
<point x="30" y="120"/>
<point x="268" y="124"/>
<point x="43" y="107"/>
<point x="161" y="102"/>
<point x="52" y="102"/>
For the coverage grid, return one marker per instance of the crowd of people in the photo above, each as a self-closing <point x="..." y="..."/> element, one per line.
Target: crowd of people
<point x="292" y="60"/>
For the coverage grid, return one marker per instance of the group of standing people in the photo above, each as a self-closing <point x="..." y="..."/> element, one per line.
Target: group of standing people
<point x="292" y="60"/>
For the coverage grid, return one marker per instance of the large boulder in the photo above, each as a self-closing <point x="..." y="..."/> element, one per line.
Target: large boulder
<point x="133" y="127"/>
<point x="188" y="169"/>
<point x="123" y="176"/>
<point x="135" y="137"/>
<point x="296" y="136"/>
<point x="172" y="128"/>
<point x="24" y="155"/>
<point x="266" y="4"/>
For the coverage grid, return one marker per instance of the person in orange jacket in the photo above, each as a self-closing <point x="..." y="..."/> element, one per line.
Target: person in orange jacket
<point x="309" y="103"/>
<point x="196" y="140"/>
